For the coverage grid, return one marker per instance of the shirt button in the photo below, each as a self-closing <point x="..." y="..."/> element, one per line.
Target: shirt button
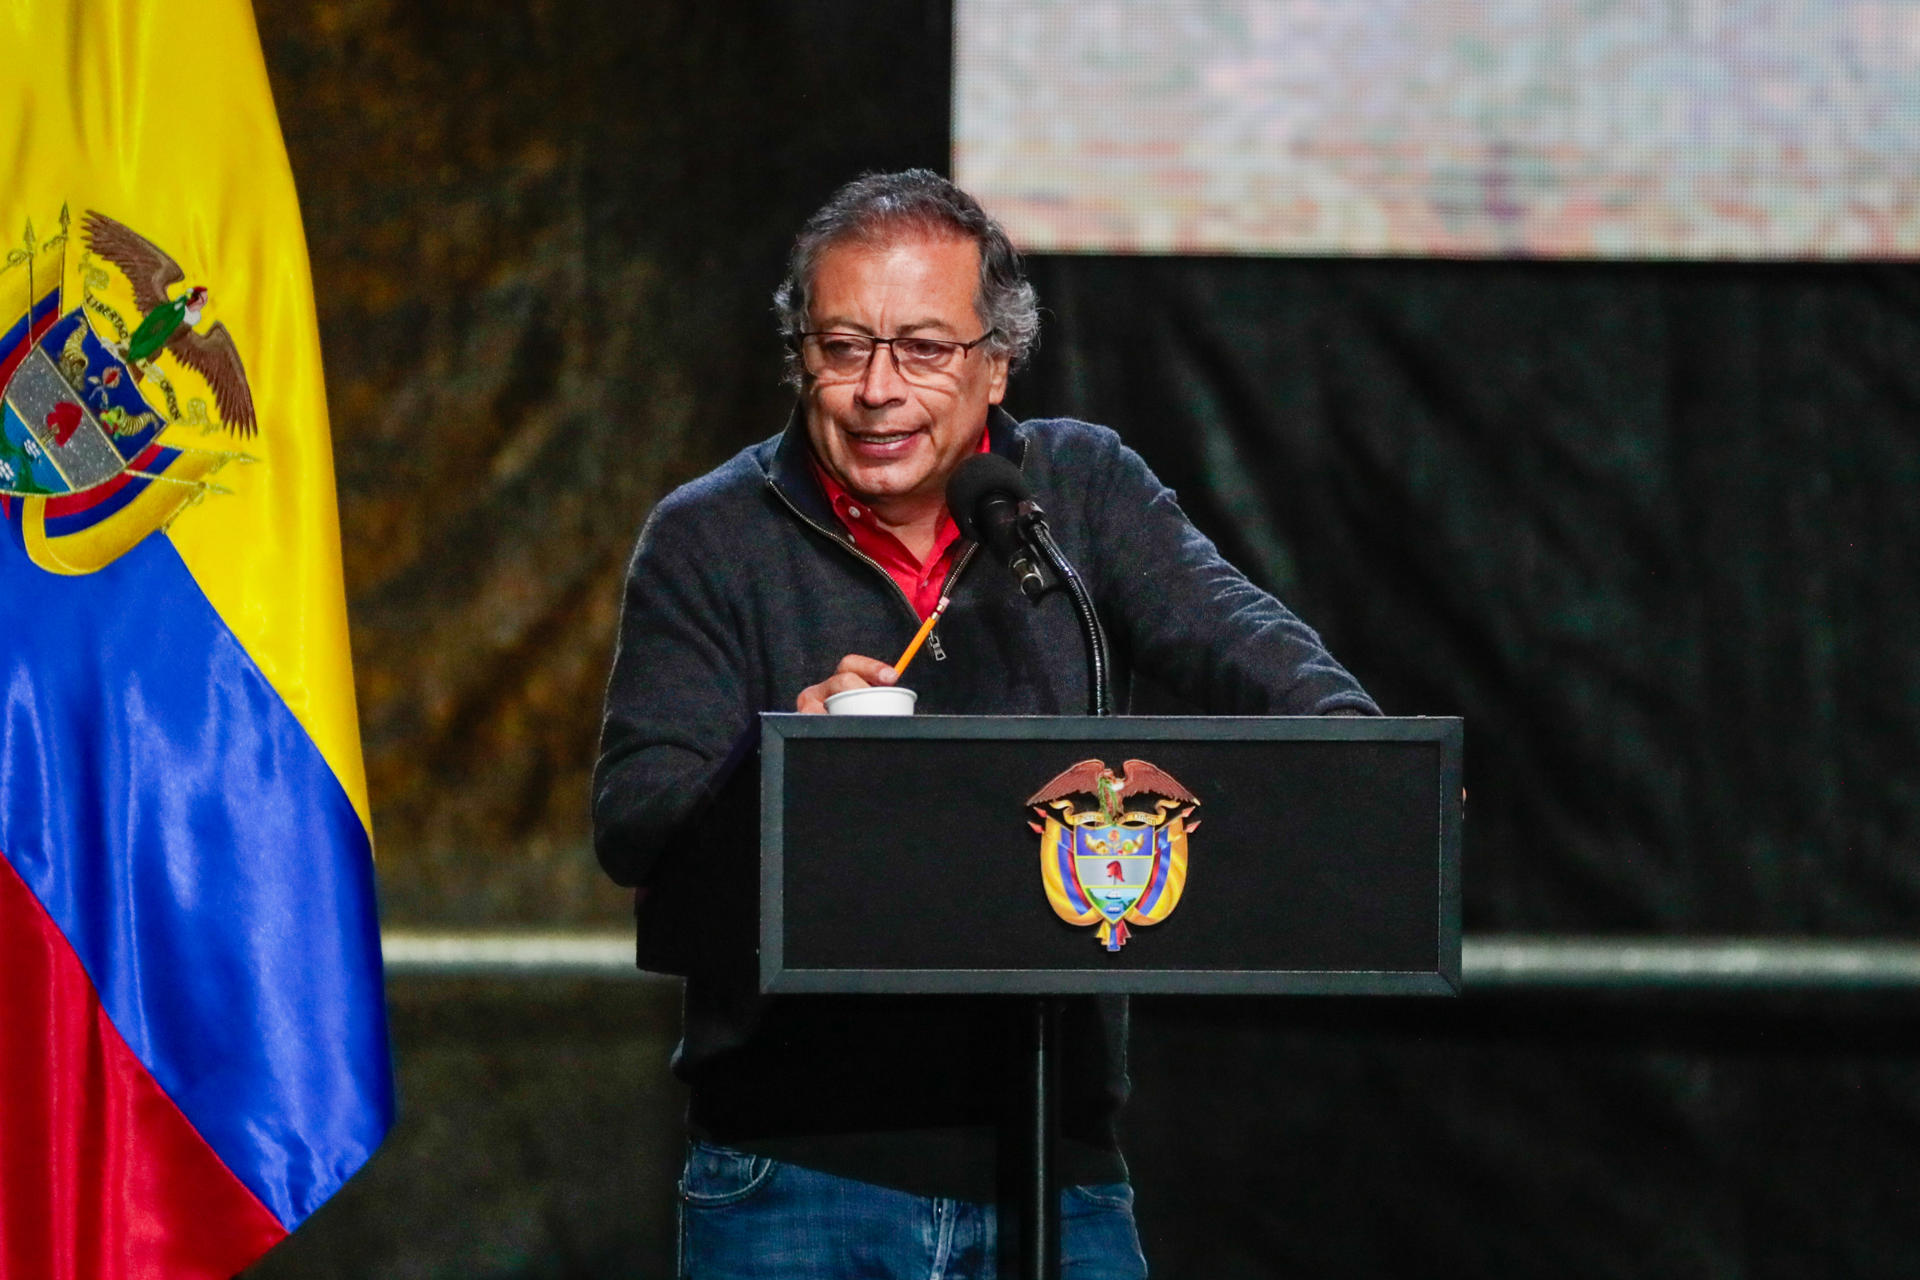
<point x="853" y="512"/>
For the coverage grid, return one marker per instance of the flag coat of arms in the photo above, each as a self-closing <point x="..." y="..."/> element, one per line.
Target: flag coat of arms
<point x="193" y="1050"/>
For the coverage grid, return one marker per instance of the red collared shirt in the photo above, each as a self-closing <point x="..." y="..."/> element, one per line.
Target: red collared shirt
<point x="919" y="579"/>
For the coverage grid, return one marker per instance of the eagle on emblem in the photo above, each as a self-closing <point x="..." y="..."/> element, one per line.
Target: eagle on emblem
<point x="1094" y="778"/>
<point x="168" y="323"/>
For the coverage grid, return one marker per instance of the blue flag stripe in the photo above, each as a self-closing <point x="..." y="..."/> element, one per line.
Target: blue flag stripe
<point x="186" y="836"/>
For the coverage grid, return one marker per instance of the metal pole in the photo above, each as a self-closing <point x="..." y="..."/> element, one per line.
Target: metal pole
<point x="1039" y="1238"/>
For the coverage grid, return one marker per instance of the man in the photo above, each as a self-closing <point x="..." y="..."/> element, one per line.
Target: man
<point x="853" y="1135"/>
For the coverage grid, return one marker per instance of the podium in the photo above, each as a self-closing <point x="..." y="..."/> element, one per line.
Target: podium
<point x="953" y="855"/>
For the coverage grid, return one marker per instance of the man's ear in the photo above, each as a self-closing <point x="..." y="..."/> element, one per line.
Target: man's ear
<point x="997" y="386"/>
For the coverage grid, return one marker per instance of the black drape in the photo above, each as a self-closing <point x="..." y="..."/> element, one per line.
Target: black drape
<point x="1651" y="529"/>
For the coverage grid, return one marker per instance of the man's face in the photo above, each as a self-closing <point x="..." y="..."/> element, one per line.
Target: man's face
<point x="889" y="440"/>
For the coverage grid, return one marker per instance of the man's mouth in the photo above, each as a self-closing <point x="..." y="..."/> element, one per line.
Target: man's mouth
<point x="880" y="442"/>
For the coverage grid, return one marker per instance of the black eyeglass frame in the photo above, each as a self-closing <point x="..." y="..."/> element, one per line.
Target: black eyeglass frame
<point x="800" y="340"/>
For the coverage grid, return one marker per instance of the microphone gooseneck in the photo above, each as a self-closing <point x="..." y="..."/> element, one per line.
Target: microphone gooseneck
<point x="993" y="505"/>
<point x="1096" y="638"/>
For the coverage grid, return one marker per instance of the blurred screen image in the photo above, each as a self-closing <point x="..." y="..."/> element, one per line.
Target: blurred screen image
<point x="1686" y="129"/>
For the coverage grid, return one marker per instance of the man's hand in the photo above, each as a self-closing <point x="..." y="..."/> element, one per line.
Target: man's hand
<point x="854" y="672"/>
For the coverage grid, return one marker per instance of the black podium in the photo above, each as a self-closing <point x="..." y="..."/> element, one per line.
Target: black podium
<point x="1052" y="856"/>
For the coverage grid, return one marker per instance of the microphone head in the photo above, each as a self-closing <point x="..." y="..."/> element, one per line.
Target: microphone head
<point x="982" y="476"/>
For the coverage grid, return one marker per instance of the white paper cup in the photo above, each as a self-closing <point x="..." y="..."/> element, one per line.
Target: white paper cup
<point x="879" y="700"/>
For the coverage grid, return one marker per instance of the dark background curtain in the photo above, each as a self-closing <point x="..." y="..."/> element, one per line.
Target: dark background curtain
<point x="1645" y="526"/>
<point x="1650" y="528"/>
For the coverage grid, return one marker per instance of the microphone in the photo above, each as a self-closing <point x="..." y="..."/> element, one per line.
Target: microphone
<point x="993" y="505"/>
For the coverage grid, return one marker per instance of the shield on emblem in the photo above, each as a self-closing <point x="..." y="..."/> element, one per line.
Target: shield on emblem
<point x="83" y="474"/>
<point x="41" y="406"/>
<point x="1115" y="865"/>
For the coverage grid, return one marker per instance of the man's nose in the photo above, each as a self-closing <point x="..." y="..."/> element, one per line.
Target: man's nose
<point x="881" y="384"/>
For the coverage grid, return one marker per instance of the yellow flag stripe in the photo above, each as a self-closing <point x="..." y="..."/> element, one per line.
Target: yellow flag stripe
<point x="106" y="112"/>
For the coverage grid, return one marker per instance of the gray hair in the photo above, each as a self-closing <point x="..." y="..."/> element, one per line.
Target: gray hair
<point x="877" y="206"/>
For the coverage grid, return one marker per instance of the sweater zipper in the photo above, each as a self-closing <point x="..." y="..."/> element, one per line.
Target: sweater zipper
<point x="946" y="589"/>
<point x="933" y="641"/>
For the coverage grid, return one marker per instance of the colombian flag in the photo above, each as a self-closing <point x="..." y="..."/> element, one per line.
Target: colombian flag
<point x="193" y="1050"/>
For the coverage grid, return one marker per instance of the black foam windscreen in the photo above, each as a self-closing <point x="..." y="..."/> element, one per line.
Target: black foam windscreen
<point x="980" y="477"/>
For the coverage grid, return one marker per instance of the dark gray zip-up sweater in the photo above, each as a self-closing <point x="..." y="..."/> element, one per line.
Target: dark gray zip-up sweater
<point x="745" y="589"/>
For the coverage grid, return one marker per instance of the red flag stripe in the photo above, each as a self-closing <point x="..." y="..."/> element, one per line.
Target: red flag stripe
<point x="100" y="1174"/>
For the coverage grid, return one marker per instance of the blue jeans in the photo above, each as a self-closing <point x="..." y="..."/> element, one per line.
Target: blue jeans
<point x="746" y="1217"/>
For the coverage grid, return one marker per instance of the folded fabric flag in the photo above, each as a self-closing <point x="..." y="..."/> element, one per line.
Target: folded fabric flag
<point x="193" y="1046"/>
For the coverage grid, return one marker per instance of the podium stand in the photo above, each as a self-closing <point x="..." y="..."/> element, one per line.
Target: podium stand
<point x="1322" y="856"/>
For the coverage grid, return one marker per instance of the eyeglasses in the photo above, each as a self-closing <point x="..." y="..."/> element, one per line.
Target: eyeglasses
<point x="846" y="355"/>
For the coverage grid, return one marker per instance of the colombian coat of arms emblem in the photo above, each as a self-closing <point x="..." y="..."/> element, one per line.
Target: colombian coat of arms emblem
<point x="1114" y="862"/>
<point x="83" y="467"/>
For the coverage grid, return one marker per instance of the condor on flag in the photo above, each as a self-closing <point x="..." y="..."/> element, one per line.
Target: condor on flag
<point x="193" y="1049"/>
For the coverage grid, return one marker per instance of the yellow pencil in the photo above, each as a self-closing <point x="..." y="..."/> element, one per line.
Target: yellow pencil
<point x="920" y="636"/>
